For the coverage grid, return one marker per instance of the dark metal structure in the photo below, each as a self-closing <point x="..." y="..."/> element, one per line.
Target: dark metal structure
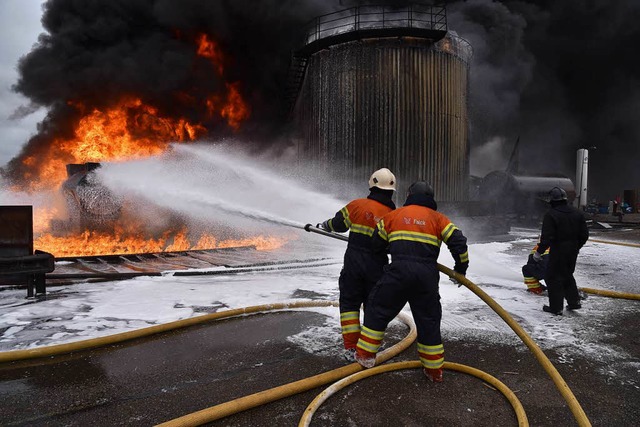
<point x="386" y="87"/>
<point x="19" y="264"/>
<point x="526" y="197"/>
<point x="89" y="202"/>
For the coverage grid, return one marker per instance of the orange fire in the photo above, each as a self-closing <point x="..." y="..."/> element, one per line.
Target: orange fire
<point x="235" y="111"/>
<point x="102" y="243"/>
<point x="132" y="129"/>
<point x="207" y="48"/>
<point x="129" y="130"/>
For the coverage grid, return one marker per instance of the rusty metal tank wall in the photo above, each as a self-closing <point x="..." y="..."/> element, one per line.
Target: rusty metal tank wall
<point x="399" y="103"/>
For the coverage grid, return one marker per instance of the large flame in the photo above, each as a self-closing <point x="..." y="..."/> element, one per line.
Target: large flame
<point x="128" y="130"/>
<point x="132" y="129"/>
<point x="121" y="242"/>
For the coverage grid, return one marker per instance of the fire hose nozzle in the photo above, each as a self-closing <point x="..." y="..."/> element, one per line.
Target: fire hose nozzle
<point x="311" y="228"/>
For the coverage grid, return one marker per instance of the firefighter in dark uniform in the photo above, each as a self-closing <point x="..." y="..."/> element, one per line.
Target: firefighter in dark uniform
<point x="564" y="232"/>
<point x="412" y="235"/>
<point x="535" y="271"/>
<point x="362" y="268"/>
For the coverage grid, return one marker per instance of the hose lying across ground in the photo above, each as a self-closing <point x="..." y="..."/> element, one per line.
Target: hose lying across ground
<point x="257" y="399"/>
<point x="416" y="364"/>
<point x="54" y="350"/>
<point x="611" y="294"/>
<point x="352" y="371"/>
<point x="609" y="242"/>
<point x="562" y="386"/>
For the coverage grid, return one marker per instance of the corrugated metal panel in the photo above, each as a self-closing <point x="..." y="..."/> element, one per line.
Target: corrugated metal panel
<point x="396" y="103"/>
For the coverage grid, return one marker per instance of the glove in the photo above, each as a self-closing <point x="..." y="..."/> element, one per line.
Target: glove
<point x="455" y="281"/>
<point x="324" y="225"/>
<point x="537" y="257"/>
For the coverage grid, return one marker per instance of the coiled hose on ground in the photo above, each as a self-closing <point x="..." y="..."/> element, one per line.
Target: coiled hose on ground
<point x="546" y="364"/>
<point x="247" y="402"/>
<point x="257" y="399"/>
<point x="330" y="391"/>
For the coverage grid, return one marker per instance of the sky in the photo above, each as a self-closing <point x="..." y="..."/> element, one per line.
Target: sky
<point x="82" y="311"/>
<point x="559" y="75"/>
<point x="19" y="30"/>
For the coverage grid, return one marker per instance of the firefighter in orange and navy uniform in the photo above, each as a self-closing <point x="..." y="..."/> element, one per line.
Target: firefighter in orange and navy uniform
<point x="413" y="235"/>
<point x="534" y="271"/>
<point x="362" y="268"/>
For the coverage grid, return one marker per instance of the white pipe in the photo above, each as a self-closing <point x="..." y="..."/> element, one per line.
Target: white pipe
<point x="582" y="170"/>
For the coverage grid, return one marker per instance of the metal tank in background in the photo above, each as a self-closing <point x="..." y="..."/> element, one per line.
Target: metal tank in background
<point x="526" y="198"/>
<point x="385" y="87"/>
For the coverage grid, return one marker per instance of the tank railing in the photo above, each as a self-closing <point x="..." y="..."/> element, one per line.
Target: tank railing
<point x="377" y="17"/>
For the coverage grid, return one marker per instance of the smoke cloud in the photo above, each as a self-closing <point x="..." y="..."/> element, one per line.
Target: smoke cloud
<point x="560" y="75"/>
<point x="94" y="52"/>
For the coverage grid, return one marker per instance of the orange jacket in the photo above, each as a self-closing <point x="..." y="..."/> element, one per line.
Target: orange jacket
<point x="360" y="216"/>
<point x="415" y="233"/>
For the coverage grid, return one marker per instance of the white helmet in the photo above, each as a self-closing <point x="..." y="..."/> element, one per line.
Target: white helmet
<point x="383" y="179"/>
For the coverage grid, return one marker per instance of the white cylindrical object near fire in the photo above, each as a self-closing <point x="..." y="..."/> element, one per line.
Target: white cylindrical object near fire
<point x="582" y="169"/>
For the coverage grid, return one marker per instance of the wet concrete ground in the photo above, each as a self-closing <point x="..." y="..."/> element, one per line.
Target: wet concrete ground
<point x="152" y="380"/>
<point x="156" y="379"/>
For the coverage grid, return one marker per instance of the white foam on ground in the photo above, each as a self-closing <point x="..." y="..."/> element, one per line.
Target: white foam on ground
<point x="209" y="182"/>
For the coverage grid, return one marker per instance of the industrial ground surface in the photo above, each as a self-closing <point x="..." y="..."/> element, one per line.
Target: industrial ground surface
<point x="156" y="379"/>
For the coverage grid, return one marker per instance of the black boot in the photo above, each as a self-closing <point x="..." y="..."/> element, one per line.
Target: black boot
<point x="547" y="309"/>
<point x="574" y="306"/>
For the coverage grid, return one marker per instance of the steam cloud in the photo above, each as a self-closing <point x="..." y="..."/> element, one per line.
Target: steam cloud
<point x="561" y="75"/>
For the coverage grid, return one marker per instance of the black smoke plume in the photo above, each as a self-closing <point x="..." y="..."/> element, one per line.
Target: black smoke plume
<point x="561" y="75"/>
<point x="95" y="51"/>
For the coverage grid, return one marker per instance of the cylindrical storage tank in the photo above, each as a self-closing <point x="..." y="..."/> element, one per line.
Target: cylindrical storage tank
<point x="395" y="102"/>
<point x="523" y="195"/>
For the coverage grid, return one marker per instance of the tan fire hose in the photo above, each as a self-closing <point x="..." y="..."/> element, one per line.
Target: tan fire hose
<point x="254" y="400"/>
<point x="611" y="294"/>
<point x="609" y="242"/>
<point x="53" y="350"/>
<point x="416" y="364"/>
<point x="247" y="402"/>
<point x="561" y="385"/>
<point x="266" y="396"/>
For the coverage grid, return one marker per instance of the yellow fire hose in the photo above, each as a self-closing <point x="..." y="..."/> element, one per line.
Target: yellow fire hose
<point x="562" y="386"/>
<point x="14" y="355"/>
<point x="352" y="372"/>
<point x="331" y="390"/>
<point x="609" y="242"/>
<point x="254" y="400"/>
<point x="247" y="402"/>
<point x="612" y="294"/>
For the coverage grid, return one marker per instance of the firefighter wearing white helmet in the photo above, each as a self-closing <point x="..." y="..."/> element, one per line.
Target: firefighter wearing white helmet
<point x="383" y="179"/>
<point x="412" y="235"/>
<point x="362" y="268"/>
